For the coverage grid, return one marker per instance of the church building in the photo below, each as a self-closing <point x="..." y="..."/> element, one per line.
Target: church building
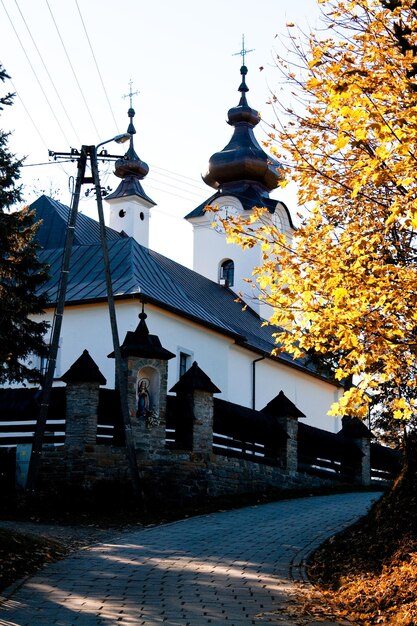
<point x="197" y="314"/>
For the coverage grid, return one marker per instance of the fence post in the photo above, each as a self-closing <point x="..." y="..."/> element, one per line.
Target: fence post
<point x="83" y="380"/>
<point x="196" y="392"/>
<point x="287" y="415"/>
<point x="356" y="430"/>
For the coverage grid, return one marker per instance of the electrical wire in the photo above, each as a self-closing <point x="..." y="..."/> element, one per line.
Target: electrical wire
<point x="72" y="69"/>
<point x="48" y="74"/>
<point x="35" y="74"/>
<point x="47" y="163"/>
<point x="97" y="67"/>
<point x="29" y="115"/>
<point x="35" y="127"/>
<point x="175" y="174"/>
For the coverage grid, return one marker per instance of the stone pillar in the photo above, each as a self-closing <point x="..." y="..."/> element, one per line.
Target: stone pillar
<point x="202" y="437"/>
<point x="288" y="452"/>
<point x="83" y="380"/>
<point x="287" y="415"/>
<point x="360" y="435"/>
<point x="146" y="360"/>
<point x="363" y="471"/>
<point x="195" y="391"/>
<point x="81" y="414"/>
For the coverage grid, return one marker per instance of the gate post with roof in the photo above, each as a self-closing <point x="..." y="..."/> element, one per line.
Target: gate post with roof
<point x="356" y="430"/>
<point x="195" y="391"/>
<point x="287" y="415"/>
<point x="83" y="380"/>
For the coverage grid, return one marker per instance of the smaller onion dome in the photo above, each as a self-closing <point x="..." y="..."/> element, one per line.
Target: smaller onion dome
<point x="131" y="170"/>
<point x="131" y="165"/>
<point x="243" y="160"/>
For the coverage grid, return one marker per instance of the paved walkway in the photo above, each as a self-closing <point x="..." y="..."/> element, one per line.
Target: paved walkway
<point x="234" y="567"/>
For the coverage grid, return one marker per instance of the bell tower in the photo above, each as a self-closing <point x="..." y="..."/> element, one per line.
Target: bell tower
<point x="129" y="204"/>
<point x="243" y="176"/>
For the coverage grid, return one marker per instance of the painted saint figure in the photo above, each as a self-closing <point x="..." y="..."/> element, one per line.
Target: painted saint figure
<point x="143" y="398"/>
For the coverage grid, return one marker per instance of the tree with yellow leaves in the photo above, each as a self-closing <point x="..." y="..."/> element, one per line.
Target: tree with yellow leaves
<point x="345" y="287"/>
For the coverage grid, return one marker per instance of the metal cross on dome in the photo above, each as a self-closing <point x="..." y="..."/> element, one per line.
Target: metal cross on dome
<point x="131" y="93"/>
<point x="243" y="51"/>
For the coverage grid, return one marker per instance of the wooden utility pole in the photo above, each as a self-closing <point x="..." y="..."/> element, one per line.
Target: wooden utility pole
<point x="34" y="464"/>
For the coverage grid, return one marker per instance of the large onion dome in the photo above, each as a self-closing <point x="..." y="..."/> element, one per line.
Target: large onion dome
<point x="243" y="162"/>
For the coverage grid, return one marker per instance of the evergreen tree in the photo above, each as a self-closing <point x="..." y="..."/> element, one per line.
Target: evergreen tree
<point x="21" y="272"/>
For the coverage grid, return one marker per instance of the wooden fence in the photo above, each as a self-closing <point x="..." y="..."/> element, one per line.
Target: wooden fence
<point x="19" y="410"/>
<point x="237" y="432"/>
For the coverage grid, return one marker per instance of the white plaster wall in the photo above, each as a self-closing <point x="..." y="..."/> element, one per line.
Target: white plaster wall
<point x="311" y="395"/>
<point x="88" y="327"/>
<point x="211" y="249"/>
<point x="131" y="223"/>
<point x="229" y="366"/>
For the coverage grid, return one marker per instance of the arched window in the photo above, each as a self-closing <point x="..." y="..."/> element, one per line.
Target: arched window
<point x="227" y="272"/>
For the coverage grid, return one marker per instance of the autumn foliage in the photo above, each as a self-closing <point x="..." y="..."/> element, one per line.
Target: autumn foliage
<point x="344" y="286"/>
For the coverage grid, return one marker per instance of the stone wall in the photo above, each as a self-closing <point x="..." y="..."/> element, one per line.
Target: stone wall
<point x="165" y="475"/>
<point x="84" y="466"/>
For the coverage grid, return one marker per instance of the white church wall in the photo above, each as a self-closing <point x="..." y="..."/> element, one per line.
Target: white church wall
<point x="211" y="249"/>
<point x="311" y="395"/>
<point x="88" y="327"/>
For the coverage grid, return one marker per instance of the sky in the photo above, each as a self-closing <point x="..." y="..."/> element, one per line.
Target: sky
<point x="73" y="62"/>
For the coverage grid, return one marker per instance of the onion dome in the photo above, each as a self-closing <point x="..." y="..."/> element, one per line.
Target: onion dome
<point x="243" y="161"/>
<point x="131" y="165"/>
<point x="131" y="169"/>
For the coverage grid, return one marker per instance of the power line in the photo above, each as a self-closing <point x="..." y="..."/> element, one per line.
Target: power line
<point x="47" y="72"/>
<point x="171" y="186"/>
<point x="96" y="64"/>
<point x="176" y="177"/>
<point x="171" y="172"/>
<point x="34" y="124"/>
<point x="47" y="163"/>
<point x="35" y="74"/>
<point x="72" y="69"/>
<point x="29" y="115"/>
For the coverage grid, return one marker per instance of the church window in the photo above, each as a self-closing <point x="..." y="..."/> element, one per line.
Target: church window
<point x="227" y="272"/>
<point x="184" y="362"/>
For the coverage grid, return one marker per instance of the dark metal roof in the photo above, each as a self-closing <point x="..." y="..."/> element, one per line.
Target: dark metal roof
<point x="194" y="378"/>
<point x="130" y="186"/>
<point x="140" y="272"/>
<point x="84" y="370"/>
<point x="131" y="169"/>
<point x="142" y="343"/>
<point x="281" y="406"/>
<point x="250" y="198"/>
<point x="54" y="216"/>
<point x="243" y="159"/>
